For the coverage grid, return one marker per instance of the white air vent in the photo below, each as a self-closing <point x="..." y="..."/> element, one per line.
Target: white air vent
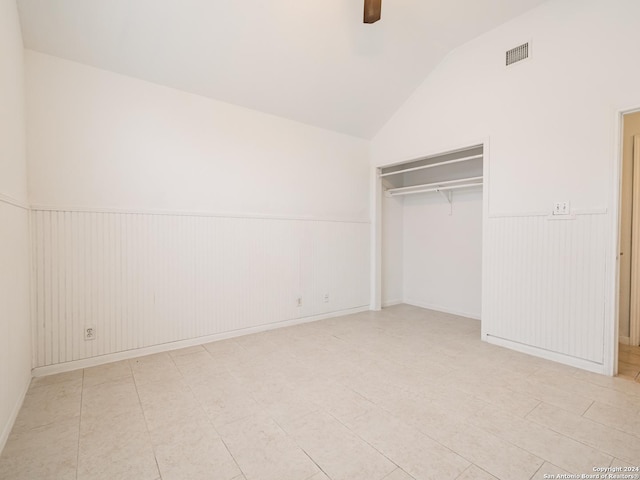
<point x="518" y="53"/>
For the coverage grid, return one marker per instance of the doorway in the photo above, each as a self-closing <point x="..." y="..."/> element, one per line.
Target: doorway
<point x="629" y="251"/>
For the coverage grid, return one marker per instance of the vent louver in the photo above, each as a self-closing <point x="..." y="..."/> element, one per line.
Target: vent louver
<point x="517" y="54"/>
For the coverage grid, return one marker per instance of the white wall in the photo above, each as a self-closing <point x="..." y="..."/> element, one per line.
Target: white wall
<point x="161" y="216"/>
<point x="452" y="282"/>
<point x="551" y="122"/>
<point x="98" y="139"/>
<point x="393" y="245"/>
<point x="15" y="339"/>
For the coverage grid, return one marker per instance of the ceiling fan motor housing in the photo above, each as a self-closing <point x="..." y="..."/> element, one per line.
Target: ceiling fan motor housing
<point x="372" y="10"/>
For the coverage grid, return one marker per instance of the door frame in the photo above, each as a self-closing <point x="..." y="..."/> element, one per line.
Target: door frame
<point x="612" y="330"/>
<point x="634" y="320"/>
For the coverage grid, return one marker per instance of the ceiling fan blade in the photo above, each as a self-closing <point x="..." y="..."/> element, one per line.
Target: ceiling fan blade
<point x="372" y="10"/>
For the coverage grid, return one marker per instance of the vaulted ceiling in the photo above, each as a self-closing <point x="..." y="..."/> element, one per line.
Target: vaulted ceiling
<point x="310" y="61"/>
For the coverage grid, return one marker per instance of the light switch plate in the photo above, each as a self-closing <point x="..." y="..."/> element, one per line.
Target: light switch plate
<point x="561" y="208"/>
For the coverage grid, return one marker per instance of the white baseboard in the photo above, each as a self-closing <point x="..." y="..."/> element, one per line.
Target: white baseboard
<point x="438" y="308"/>
<point x="391" y="303"/>
<point x="6" y="430"/>
<point x="546" y="354"/>
<point x="624" y="340"/>
<point x="166" y="347"/>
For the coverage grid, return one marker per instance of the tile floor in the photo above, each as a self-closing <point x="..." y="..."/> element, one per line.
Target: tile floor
<point x="400" y="394"/>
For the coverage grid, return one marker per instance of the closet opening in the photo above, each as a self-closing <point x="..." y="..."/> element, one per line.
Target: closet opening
<point x="429" y="232"/>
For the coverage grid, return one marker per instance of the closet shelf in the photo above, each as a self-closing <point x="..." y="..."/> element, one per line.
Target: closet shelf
<point x="431" y="165"/>
<point x="436" y="187"/>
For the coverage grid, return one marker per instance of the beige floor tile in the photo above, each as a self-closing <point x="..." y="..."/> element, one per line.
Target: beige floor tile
<point x="96" y="431"/>
<point x="224" y="401"/>
<point x="296" y="371"/>
<point x="619" y="418"/>
<point x="475" y="473"/>
<point x="218" y="380"/>
<point x="168" y="431"/>
<point x="608" y="440"/>
<point x="109" y="399"/>
<point x="412" y="451"/>
<point x="375" y="388"/>
<point x="548" y="470"/>
<point x="198" y="357"/>
<point x="45" y="453"/>
<point x="165" y="404"/>
<point x="589" y="391"/>
<point x="555" y="367"/>
<point x="480" y="447"/>
<point x="558" y="396"/>
<point x="282" y="401"/>
<point x="199" y="367"/>
<point x="49" y="403"/>
<point x="194" y="453"/>
<point x="355" y="396"/>
<point x="318" y="476"/>
<point x="108" y="372"/>
<point x="337" y="451"/>
<point x="421" y="413"/>
<point x="120" y="448"/>
<point x="492" y="391"/>
<point x="114" y="442"/>
<point x="410" y="378"/>
<point x="336" y="399"/>
<point x="154" y="368"/>
<point x="57" y="378"/>
<point x="264" y="451"/>
<point x="224" y="349"/>
<point x="621" y="463"/>
<point x="128" y="458"/>
<point x="558" y="449"/>
<point x="162" y="358"/>
<point x="613" y="383"/>
<point x="451" y="399"/>
<point x="398" y="474"/>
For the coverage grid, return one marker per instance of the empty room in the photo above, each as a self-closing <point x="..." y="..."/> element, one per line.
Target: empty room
<point x="338" y="240"/>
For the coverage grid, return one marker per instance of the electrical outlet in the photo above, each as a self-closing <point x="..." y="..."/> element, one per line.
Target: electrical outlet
<point x="90" y="333"/>
<point x="326" y="298"/>
<point x="561" y="208"/>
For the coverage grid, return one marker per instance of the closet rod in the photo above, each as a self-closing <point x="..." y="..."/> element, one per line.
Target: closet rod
<point x="437" y="189"/>
<point x="431" y="165"/>
<point x="435" y="184"/>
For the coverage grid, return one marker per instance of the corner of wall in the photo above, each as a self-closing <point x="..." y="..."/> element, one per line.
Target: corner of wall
<point x="15" y="322"/>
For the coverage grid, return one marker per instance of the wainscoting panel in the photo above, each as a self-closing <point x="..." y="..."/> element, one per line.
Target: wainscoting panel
<point x="546" y="283"/>
<point x="143" y="279"/>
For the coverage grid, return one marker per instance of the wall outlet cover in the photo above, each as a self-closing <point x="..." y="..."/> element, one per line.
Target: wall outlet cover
<point x="90" y="333"/>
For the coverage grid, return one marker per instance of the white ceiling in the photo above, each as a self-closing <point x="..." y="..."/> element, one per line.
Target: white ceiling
<point x="310" y="61"/>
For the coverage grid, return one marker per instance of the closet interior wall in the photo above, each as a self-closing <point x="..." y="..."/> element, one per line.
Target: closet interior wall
<point x="432" y="239"/>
